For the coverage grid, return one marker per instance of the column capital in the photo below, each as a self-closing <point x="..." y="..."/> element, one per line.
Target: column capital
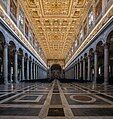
<point x="84" y="59"/>
<point x="23" y="58"/>
<point x="106" y="63"/>
<point x="89" y="56"/>
<point x="5" y="63"/>
<point x="33" y="61"/>
<point x="81" y="59"/>
<point x="23" y="55"/>
<point x="16" y="65"/>
<point x="106" y="45"/>
<point x="78" y="62"/>
<point x="95" y="52"/>
<point x="28" y="59"/>
<point x="6" y="45"/>
<point x="16" y="51"/>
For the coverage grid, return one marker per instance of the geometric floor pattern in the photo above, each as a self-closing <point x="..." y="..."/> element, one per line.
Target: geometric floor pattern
<point x="56" y="101"/>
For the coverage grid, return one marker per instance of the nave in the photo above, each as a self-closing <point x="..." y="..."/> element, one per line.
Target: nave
<point x="56" y="101"/>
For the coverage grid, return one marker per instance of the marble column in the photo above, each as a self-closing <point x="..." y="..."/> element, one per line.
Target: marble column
<point x="16" y="66"/>
<point x="34" y="71"/>
<point x="89" y="68"/>
<point x="75" y="72"/>
<point x="95" y="66"/>
<point x="37" y="72"/>
<point x="84" y="70"/>
<point x="20" y="75"/>
<point x="23" y="78"/>
<point x="80" y="69"/>
<point x="106" y="64"/>
<point x="11" y="77"/>
<point x="27" y="69"/>
<point x="5" y="63"/>
<point x="31" y="70"/>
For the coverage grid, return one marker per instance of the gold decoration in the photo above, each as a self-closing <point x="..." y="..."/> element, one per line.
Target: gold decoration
<point x="56" y="23"/>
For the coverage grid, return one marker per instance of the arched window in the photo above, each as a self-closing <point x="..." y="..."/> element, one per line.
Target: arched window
<point x="5" y="2"/>
<point x="26" y="27"/>
<point x="81" y="35"/>
<point x="75" y="43"/>
<point x="72" y="49"/>
<point x="90" y="17"/>
<point x="21" y="19"/>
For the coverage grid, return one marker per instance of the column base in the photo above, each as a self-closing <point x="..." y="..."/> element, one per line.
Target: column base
<point x="106" y="83"/>
<point x="16" y="81"/>
<point x="6" y="81"/>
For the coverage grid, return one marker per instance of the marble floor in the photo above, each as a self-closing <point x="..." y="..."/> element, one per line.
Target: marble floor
<point x="56" y="101"/>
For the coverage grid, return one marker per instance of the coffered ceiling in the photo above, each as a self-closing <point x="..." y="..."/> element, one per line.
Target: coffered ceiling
<point x="56" y="23"/>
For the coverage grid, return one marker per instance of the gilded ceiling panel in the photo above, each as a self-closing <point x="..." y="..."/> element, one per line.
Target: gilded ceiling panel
<point x="56" y="23"/>
<point x="56" y="7"/>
